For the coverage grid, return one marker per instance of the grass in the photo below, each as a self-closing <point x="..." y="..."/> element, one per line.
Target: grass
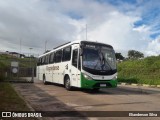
<point x="145" y="71"/>
<point x="5" y="61"/>
<point x="10" y="101"/>
<point x="5" y="65"/>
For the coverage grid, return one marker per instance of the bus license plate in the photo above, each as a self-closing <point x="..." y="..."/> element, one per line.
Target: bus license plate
<point x="102" y="85"/>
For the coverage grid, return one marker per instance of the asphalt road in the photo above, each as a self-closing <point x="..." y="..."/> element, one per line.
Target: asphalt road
<point x="123" y="98"/>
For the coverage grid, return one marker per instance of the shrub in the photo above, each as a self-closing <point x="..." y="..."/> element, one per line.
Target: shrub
<point x="145" y="71"/>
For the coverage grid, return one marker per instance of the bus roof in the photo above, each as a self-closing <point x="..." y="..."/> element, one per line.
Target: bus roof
<point x="70" y="43"/>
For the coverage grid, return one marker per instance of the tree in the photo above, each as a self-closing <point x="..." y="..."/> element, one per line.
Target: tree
<point x="119" y="56"/>
<point x="133" y="54"/>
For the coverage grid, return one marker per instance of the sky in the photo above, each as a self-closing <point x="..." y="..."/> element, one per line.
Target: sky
<point x="124" y="24"/>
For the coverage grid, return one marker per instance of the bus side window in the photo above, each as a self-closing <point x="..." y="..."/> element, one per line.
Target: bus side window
<point x="79" y="62"/>
<point x="58" y="56"/>
<point x="43" y="60"/>
<point x="51" y="58"/>
<point x="46" y="59"/>
<point x="38" y="63"/>
<point x="66" y="54"/>
<point x="74" y="57"/>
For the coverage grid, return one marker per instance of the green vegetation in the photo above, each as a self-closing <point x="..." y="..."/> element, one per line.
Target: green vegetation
<point x="5" y="61"/>
<point x="143" y="71"/>
<point x="119" y="56"/>
<point x="5" y="64"/>
<point x="133" y="54"/>
<point x="10" y="101"/>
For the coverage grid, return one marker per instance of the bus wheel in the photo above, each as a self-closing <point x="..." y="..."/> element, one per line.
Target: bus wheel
<point x="44" y="80"/>
<point x="96" y="89"/>
<point x="67" y="83"/>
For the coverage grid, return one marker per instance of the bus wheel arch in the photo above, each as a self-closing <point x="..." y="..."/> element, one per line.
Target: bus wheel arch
<point x="67" y="82"/>
<point x="44" y="79"/>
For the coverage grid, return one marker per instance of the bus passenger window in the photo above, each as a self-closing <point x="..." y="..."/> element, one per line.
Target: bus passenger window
<point x="58" y="56"/>
<point x="74" y="57"/>
<point x="51" y="59"/>
<point x="66" y="54"/>
<point x="43" y="60"/>
<point x="38" y="63"/>
<point x="46" y="59"/>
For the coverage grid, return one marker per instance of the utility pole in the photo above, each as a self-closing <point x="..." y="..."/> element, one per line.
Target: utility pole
<point x="20" y="47"/>
<point x="32" y="68"/>
<point x="30" y="56"/>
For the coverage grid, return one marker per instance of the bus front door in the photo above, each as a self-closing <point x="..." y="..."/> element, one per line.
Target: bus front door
<point x="74" y="68"/>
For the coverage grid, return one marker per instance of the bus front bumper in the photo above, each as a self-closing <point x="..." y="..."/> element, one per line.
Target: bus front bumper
<point x="91" y="84"/>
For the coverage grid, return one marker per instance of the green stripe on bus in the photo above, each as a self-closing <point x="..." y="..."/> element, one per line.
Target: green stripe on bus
<point x="90" y="84"/>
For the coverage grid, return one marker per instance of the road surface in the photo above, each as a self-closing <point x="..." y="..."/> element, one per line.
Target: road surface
<point x="53" y="97"/>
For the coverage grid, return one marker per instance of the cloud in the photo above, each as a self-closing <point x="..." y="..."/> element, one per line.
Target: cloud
<point x="153" y="47"/>
<point x="33" y="23"/>
<point x="36" y="21"/>
<point x="118" y="31"/>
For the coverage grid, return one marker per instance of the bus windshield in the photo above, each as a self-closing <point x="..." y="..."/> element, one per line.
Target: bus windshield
<point x="99" y="59"/>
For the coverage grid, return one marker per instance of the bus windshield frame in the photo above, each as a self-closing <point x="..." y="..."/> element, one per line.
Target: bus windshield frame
<point x="98" y="58"/>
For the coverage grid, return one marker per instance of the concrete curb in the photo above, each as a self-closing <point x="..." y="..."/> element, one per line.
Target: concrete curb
<point x="124" y="84"/>
<point x="158" y="86"/>
<point x="144" y="85"/>
<point x="134" y="84"/>
<point x="153" y="85"/>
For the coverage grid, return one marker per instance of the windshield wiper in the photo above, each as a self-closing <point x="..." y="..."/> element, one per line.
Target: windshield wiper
<point x="96" y="64"/>
<point x="102" y="61"/>
<point x="106" y="62"/>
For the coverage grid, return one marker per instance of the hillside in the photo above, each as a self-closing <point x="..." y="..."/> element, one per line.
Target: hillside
<point x="5" y="64"/>
<point x="5" y="61"/>
<point x="144" y="71"/>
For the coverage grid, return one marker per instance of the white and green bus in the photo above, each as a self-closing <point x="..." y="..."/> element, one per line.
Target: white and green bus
<point x="82" y="64"/>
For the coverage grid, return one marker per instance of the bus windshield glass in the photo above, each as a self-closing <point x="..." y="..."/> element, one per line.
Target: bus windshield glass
<point x="99" y="59"/>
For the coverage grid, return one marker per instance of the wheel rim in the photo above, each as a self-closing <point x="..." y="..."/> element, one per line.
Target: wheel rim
<point x="67" y="83"/>
<point x="44" y="80"/>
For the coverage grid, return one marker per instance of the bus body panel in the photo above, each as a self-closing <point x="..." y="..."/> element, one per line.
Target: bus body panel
<point x="56" y="72"/>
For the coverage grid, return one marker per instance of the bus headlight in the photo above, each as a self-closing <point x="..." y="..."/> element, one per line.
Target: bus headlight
<point x="87" y="77"/>
<point x="115" y="78"/>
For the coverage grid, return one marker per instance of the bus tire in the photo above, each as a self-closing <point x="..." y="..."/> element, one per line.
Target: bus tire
<point x="96" y="89"/>
<point x="67" y="83"/>
<point x="44" y="79"/>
